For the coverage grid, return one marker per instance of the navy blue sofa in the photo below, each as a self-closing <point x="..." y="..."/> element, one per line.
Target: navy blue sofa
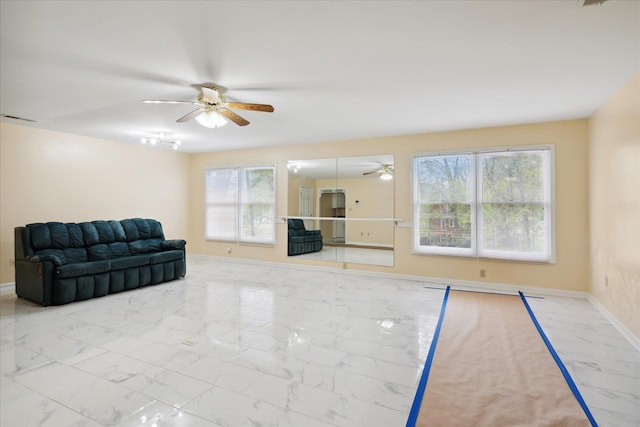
<point x="58" y="263"/>
<point x="302" y="241"/>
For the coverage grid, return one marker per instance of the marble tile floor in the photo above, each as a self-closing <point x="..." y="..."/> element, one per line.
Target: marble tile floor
<point x="240" y="344"/>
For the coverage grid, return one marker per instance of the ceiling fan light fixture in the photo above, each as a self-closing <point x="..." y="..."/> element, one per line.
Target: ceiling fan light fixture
<point x="211" y="119"/>
<point x="386" y="176"/>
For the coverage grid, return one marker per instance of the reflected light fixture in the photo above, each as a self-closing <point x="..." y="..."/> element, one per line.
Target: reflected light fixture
<point x="293" y="167"/>
<point x="211" y="119"/>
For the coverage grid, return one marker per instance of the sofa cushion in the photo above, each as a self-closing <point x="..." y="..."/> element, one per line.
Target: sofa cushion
<point x="105" y="232"/>
<point x="76" y="238"/>
<point x="82" y="269"/>
<point x="145" y="246"/>
<point x="130" y="230"/>
<point x="295" y="224"/>
<point x="72" y="255"/>
<point x="99" y="252"/>
<point x="130" y="262"/>
<point x="90" y="233"/>
<point x="40" y="236"/>
<point x="118" y="231"/>
<point x="59" y="235"/>
<point x="119" y="249"/>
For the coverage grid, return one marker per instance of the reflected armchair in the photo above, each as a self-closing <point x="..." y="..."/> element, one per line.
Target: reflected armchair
<point x="302" y="241"/>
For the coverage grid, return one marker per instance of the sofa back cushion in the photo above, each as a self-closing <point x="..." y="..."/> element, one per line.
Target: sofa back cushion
<point x="141" y="229"/>
<point x="295" y="224"/>
<point x="55" y="235"/>
<point x="65" y="241"/>
<point x="90" y="233"/>
<point x="95" y="240"/>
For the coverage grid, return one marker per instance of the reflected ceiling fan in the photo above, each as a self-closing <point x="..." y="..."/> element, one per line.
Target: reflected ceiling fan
<point x="385" y="172"/>
<point x="213" y="109"/>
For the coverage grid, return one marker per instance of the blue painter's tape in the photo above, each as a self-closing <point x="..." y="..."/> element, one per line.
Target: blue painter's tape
<point x="417" y="401"/>
<point x="563" y="368"/>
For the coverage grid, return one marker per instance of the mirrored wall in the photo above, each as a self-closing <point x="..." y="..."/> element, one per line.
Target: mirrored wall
<point x="349" y="201"/>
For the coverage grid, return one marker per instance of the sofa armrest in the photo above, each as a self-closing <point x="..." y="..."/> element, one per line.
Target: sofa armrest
<point x="43" y="258"/>
<point x="313" y="232"/>
<point x="168" y="245"/>
<point x="34" y="279"/>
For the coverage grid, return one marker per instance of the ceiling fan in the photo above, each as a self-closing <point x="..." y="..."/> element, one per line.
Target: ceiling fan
<point x="213" y="108"/>
<point x="385" y="172"/>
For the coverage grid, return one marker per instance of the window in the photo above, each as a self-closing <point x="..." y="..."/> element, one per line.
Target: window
<point x="490" y="204"/>
<point x="240" y="204"/>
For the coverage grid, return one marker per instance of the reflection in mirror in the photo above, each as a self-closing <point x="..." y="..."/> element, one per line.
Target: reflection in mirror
<point x="358" y="192"/>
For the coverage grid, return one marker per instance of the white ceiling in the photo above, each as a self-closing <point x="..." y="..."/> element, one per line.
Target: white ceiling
<point x="333" y="70"/>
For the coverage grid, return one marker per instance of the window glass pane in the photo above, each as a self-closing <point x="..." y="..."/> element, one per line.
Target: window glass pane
<point x="445" y="178"/>
<point x="221" y="222"/>
<point x="444" y="202"/>
<point x="221" y="203"/>
<point x="257" y="205"/>
<point x="445" y="225"/>
<point x="514" y="221"/>
<point x="514" y="228"/>
<point x="513" y="177"/>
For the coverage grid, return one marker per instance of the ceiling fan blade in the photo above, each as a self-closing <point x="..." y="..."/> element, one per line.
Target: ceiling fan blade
<point x="152" y="101"/>
<point x="210" y="95"/>
<point x="372" y="172"/>
<point x="253" y="107"/>
<point x="190" y="115"/>
<point x="233" y="117"/>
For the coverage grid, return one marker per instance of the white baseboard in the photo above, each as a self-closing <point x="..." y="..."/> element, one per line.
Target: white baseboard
<point x="371" y="245"/>
<point x="635" y="341"/>
<point x="7" y="288"/>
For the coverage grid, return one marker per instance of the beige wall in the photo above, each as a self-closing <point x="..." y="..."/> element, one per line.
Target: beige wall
<point x="375" y="198"/>
<point x="614" y="134"/>
<point x="570" y="272"/>
<point x="51" y="176"/>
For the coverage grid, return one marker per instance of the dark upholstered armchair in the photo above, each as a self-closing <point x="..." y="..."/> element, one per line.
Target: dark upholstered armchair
<point x="301" y="240"/>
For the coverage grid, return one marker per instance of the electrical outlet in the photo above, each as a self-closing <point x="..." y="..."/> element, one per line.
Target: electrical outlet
<point x="12" y="262"/>
<point x="228" y="250"/>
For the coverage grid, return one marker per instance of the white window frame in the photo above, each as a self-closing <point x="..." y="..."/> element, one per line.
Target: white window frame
<point x="476" y="209"/>
<point x="237" y="232"/>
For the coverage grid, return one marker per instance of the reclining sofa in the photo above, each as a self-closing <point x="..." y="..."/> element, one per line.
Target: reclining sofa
<point x="58" y="263"/>
<point x="302" y="241"/>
